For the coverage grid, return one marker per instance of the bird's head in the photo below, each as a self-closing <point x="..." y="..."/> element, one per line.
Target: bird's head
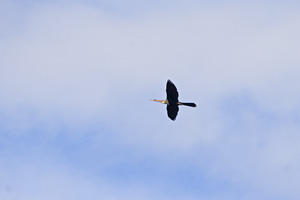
<point x="154" y="100"/>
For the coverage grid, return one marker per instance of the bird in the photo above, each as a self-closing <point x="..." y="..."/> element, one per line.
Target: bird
<point x="172" y="101"/>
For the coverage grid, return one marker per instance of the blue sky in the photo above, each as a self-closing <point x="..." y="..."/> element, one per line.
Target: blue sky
<point x="76" y="78"/>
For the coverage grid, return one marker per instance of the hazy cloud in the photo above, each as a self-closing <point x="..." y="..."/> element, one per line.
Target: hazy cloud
<point x="75" y="80"/>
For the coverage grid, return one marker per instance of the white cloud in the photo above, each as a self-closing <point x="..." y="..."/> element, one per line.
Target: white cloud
<point x="43" y="181"/>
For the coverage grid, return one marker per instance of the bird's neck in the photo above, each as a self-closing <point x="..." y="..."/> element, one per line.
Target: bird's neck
<point x="162" y="101"/>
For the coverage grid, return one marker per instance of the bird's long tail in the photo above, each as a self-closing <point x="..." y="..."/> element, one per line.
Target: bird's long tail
<point x="187" y="104"/>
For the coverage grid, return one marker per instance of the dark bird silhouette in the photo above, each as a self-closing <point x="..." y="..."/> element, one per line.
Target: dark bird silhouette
<point x="172" y="101"/>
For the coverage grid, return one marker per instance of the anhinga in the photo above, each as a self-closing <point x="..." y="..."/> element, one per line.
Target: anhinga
<point x="172" y="101"/>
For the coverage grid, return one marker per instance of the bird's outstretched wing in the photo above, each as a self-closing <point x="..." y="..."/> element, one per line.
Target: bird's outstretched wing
<point x="172" y="111"/>
<point x="172" y="94"/>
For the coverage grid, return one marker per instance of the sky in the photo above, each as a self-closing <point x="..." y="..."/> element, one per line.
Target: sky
<point x="76" y="78"/>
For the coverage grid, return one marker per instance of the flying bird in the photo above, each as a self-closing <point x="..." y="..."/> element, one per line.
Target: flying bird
<point x="172" y="101"/>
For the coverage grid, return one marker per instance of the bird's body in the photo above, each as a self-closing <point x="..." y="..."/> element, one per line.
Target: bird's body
<point x="172" y="101"/>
